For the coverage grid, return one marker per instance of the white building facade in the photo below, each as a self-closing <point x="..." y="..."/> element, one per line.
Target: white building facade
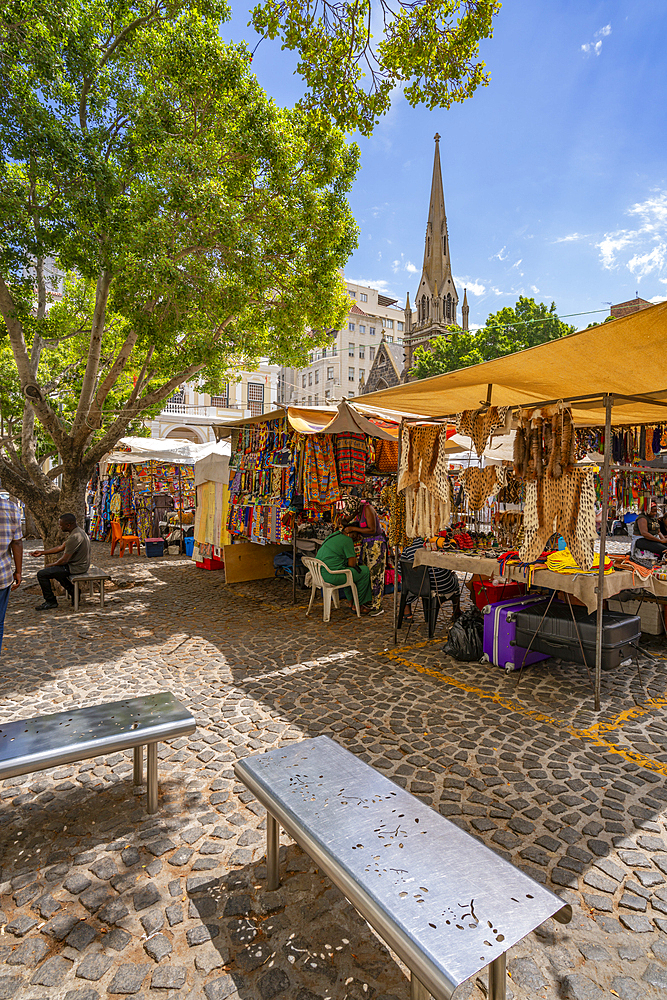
<point x="336" y="371"/>
<point x="189" y="413"/>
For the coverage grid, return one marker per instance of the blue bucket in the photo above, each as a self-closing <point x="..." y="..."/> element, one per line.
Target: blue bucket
<point x="189" y="546"/>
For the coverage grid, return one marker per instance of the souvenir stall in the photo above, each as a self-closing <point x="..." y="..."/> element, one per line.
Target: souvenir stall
<point x="148" y="486"/>
<point x="565" y="400"/>
<point x="210" y="531"/>
<point x="291" y="468"/>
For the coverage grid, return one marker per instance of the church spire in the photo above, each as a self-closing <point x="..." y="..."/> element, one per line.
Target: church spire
<point x="437" y="277"/>
<point x="465" y="309"/>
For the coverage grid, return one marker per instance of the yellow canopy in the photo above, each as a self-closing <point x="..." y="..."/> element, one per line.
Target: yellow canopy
<point x="625" y="356"/>
<point x="303" y="419"/>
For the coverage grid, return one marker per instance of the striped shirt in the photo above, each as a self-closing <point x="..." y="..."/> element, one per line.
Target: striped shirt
<point x="444" y="581"/>
<point x="10" y="531"/>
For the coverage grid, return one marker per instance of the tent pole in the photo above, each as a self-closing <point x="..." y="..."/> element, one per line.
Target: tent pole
<point x="294" y="561"/>
<point x="396" y="564"/>
<point x="608" y="403"/>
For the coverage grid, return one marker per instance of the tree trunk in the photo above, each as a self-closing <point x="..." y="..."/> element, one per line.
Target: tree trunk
<point x="31" y="529"/>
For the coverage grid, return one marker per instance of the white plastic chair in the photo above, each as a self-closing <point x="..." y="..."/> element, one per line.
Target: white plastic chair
<point x="329" y="591"/>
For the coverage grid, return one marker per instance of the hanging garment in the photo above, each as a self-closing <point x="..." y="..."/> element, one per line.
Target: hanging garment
<point x="320" y="482"/>
<point x="566" y="506"/>
<point x="395" y="504"/>
<point x="480" y="484"/>
<point x="425" y="514"/>
<point x="386" y="457"/>
<point x="479" y="424"/>
<point x="419" y="454"/>
<point x="351" y="454"/>
<point x="374" y="555"/>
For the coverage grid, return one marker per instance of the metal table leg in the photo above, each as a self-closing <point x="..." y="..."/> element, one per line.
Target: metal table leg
<point x="272" y="852"/>
<point x="417" y="989"/>
<point x="139" y="765"/>
<point x="76" y="595"/>
<point x="101" y="593"/>
<point x="498" y="979"/>
<point x="151" y="781"/>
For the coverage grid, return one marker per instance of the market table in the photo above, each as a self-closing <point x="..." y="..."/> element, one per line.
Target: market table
<point x="580" y="585"/>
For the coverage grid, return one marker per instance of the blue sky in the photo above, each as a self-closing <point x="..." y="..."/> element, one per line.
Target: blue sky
<point x="555" y="175"/>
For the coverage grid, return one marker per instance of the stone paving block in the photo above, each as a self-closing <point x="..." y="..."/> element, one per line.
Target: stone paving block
<point x="9" y="986"/>
<point x="169" y="977"/>
<point x="117" y="939"/>
<point x="51" y="972"/>
<point x="93" y="967"/>
<point x="220" y="989"/>
<point x="576" y="986"/>
<point x="81" y="936"/>
<point x="637" y="922"/>
<point x="656" y="975"/>
<point x="158" y="946"/>
<point x="128" y="979"/>
<point x="31" y="951"/>
<point x="146" y="896"/>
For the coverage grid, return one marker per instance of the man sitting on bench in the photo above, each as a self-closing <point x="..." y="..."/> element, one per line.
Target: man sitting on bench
<point x="75" y="559"/>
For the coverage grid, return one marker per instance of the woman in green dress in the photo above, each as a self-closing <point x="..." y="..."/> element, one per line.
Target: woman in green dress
<point x="337" y="553"/>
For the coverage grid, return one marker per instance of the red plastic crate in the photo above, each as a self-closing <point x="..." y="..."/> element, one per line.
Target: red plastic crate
<point x="490" y="593"/>
<point x="211" y="563"/>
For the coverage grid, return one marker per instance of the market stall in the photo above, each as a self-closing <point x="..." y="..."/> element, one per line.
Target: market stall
<point x="291" y="468"/>
<point x="563" y="400"/>
<point x="147" y="485"/>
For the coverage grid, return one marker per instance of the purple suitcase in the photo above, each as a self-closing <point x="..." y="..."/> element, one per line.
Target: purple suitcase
<point x="499" y="633"/>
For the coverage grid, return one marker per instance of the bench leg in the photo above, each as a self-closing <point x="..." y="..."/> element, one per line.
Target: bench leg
<point x="272" y="852"/>
<point x="151" y="779"/>
<point x="498" y="979"/>
<point x="417" y="989"/>
<point x="76" y="595"/>
<point x="101" y="593"/>
<point x="139" y="765"/>
<point x="91" y="589"/>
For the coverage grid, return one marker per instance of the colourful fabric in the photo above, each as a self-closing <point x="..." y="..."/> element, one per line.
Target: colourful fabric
<point x="564" y="562"/>
<point x="320" y="482"/>
<point x="374" y="555"/>
<point x="351" y="454"/>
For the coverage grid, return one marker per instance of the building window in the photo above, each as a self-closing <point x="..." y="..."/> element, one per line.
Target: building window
<point x="362" y="374"/>
<point x="350" y="350"/>
<point x="351" y="392"/>
<point x="317" y="376"/>
<point x="352" y="294"/>
<point x="399" y="340"/>
<point x="223" y="399"/>
<point x="303" y="381"/>
<point x="327" y="394"/>
<point x="362" y="329"/>
<point x="372" y="331"/>
<point x="334" y="351"/>
<point x="361" y="351"/>
<point x="310" y="401"/>
<point x="389" y="324"/>
<point x="371" y="353"/>
<point x="390" y="340"/>
<point x="350" y="326"/>
<point x="256" y="398"/>
<point x="363" y="297"/>
<point x="324" y="352"/>
<point x="317" y="400"/>
<point x="310" y="378"/>
<point x="350" y="374"/>
<point x="330" y="372"/>
<point x="399" y="326"/>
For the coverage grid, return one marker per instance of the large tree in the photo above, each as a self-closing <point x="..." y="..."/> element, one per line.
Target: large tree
<point x="200" y="226"/>
<point x="511" y="329"/>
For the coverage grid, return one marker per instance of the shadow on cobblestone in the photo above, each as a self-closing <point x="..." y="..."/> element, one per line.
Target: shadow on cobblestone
<point x="98" y="897"/>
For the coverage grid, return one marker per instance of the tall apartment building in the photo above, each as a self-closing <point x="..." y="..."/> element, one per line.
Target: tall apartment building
<point x="337" y="370"/>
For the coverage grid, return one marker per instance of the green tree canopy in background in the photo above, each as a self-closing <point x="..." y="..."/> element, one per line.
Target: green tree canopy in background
<point x="511" y="329"/>
<point x="201" y="226"/>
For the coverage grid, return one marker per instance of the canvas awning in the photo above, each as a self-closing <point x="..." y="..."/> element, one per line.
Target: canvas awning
<point x="172" y="451"/>
<point x="625" y="356"/>
<point x="306" y="420"/>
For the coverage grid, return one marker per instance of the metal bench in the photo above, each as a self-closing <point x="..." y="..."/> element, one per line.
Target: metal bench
<point x="92" y="577"/>
<point x="50" y="740"/>
<point x="446" y="904"/>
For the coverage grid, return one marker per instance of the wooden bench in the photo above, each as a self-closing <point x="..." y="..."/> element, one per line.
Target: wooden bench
<point x="446" y="904"/>
<point x="51" y="740"/>
<point x="92" y="577"/>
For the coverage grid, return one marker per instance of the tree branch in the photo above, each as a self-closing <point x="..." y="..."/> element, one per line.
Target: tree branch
<point x="108" y="382"/>
<point x="80" y="425"/>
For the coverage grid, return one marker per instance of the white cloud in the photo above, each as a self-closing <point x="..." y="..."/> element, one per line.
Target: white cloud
<point x="410" y="268"/>
<point x="535" y="289"/>
<point x="642" y="249"/>
<point x="657" y="298"/>
<point x="403" y="265"/>
<point x="517" y="262"/>
<point x="570" y="238"/>
<point x="596" y="46"/>
<point x="474" y="287"/>
<point x="501" y="255"/>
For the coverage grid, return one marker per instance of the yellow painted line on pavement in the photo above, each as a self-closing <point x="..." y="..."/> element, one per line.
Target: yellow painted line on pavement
<point x="592" y="735"/>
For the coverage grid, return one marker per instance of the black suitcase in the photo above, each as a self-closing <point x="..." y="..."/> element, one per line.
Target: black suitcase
<point x="557" y="634"/>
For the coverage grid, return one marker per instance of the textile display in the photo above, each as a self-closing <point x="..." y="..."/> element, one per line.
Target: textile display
<point x="395" y="505"/>
<point x="351" y="455"/>
<point x="566" y="506"/>
<point x="481" y="484"/>
<point x="386" y="457"/>
<point x="320" y="481"/>
<point x="480" y="424"/>
<point x="374" y="555"/>
<point x="425" y="514"/>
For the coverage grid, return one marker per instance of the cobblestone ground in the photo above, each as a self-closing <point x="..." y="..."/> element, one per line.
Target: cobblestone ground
<point x="98" y="898"/>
